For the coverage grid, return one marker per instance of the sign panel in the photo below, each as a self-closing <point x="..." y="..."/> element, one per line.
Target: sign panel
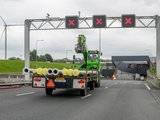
<point x="71" y="22"/>
<point x="128" y="20"/>
<point x="99" y="21"/>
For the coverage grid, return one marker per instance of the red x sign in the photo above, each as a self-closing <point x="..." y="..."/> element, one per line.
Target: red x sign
<point x="99" y="21"/>
<point x="71" y="22"/>
<point x="128" y="21"/>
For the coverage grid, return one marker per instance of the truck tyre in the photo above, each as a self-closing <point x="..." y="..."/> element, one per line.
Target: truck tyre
<point x="97" y="84"/>
<point x="92" y="85"/>
<point x="49" y="91"/>
<point x="83" y="92"/>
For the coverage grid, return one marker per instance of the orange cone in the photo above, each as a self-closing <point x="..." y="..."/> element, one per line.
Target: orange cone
<point x="17" y="78"/>
<point x="9" y="77"/>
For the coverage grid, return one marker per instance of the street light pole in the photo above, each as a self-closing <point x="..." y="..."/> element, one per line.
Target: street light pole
<point x="36" y="48"/>
<point x="100" y="40"/>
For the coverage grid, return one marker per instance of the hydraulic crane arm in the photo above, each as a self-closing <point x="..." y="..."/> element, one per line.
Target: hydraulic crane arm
<point x="81" y="47"/>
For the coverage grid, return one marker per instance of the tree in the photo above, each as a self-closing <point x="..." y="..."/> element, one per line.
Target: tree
<point x="33" y="55"/>
<point x="48" y="57"/>
<point x="42" y="58"/>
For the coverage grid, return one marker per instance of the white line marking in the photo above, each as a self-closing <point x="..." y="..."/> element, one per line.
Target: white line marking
<point x="25" y="94"/>
<point x="147" y="86"/>
<point x="86" y="96"/>
<point x="106" y="87"/>
<point x="158" y="98"/>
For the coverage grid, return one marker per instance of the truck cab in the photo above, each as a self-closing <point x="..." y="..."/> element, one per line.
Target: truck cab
<point x="93" y="61"/>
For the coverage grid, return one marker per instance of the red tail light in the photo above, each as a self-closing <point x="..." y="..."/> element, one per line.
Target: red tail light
<point x="81" y="81"/>
<point x="37" y="79"/>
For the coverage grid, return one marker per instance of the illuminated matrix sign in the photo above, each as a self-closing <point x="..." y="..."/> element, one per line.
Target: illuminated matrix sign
<point x="100" y="21"/>
<point x="128" y="21"/>
<point x="71" y="22"/>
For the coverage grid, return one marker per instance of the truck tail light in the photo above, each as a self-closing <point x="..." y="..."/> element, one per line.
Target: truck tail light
<point x="37" y="79"/>
<point x="81" y="81"/>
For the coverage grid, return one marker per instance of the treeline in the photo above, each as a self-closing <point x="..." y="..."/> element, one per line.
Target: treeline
<point x="48" y="58"/>
<point x="43" y="58"/>
<point x="33" y="56"/>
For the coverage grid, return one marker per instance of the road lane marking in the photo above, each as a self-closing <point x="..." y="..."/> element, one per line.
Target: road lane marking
<point x="86" y="96"/>
<point x="106" y="87"/>
<point x="22" y="94"/>
<point x="158" y="98"/>
<point x="147" y="86"/>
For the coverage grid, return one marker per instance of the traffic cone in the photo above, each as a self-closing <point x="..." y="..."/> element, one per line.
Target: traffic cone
<point x="17" y="78"/>
<point x="9" y="76"/>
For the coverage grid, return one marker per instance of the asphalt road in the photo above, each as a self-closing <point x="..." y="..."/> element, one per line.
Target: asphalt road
<point x="114" y="100"/>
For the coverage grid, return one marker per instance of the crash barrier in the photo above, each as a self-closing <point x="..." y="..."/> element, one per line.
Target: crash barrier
<point x="15" y="76"/>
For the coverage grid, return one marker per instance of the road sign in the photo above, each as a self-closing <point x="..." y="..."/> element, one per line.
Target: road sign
<point x="71" y="21"/>
<point x="128" y="20"/>
<point x="99" y="21"/>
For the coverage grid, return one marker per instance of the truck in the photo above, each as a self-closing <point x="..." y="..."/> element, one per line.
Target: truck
<point x="85" y="77"/>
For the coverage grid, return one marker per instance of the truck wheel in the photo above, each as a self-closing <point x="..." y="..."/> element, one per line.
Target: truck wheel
<point x="83" y="92"/>
<point x="97" y="84"/>
<point x="49" y="91"/>
<point x="92" y="85"/>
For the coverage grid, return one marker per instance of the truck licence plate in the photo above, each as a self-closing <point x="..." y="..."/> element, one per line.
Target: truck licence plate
<point x="60" y="79"/>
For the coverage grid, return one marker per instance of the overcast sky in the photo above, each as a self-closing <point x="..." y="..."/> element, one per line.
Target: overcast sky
<point x="114" y="41"/>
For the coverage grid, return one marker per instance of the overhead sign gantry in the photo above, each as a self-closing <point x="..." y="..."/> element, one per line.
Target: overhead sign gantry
<point x="96" y="21"/>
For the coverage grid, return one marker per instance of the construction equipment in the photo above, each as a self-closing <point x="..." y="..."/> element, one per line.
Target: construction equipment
<point x="91" y="57"/>
<point x="87" y="76"/>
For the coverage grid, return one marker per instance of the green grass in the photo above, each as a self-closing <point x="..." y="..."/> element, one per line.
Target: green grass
<point x="153" y="71"/>
<point x="16" y="66"/>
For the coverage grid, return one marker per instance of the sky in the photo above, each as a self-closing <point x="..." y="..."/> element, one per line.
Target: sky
<point x="61" y="43"/>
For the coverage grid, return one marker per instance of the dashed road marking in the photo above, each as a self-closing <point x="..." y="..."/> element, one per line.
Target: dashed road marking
<point x="106" y="87"/>
<point x="22" y="94"/>
<point x="158" y="98"/>
<point x="86" y="96"/>
<point x="147" y="86"/>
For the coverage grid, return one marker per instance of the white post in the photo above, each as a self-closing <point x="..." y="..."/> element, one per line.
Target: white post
<point x="158" y="46"/>
<point x="27" y="47"/>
